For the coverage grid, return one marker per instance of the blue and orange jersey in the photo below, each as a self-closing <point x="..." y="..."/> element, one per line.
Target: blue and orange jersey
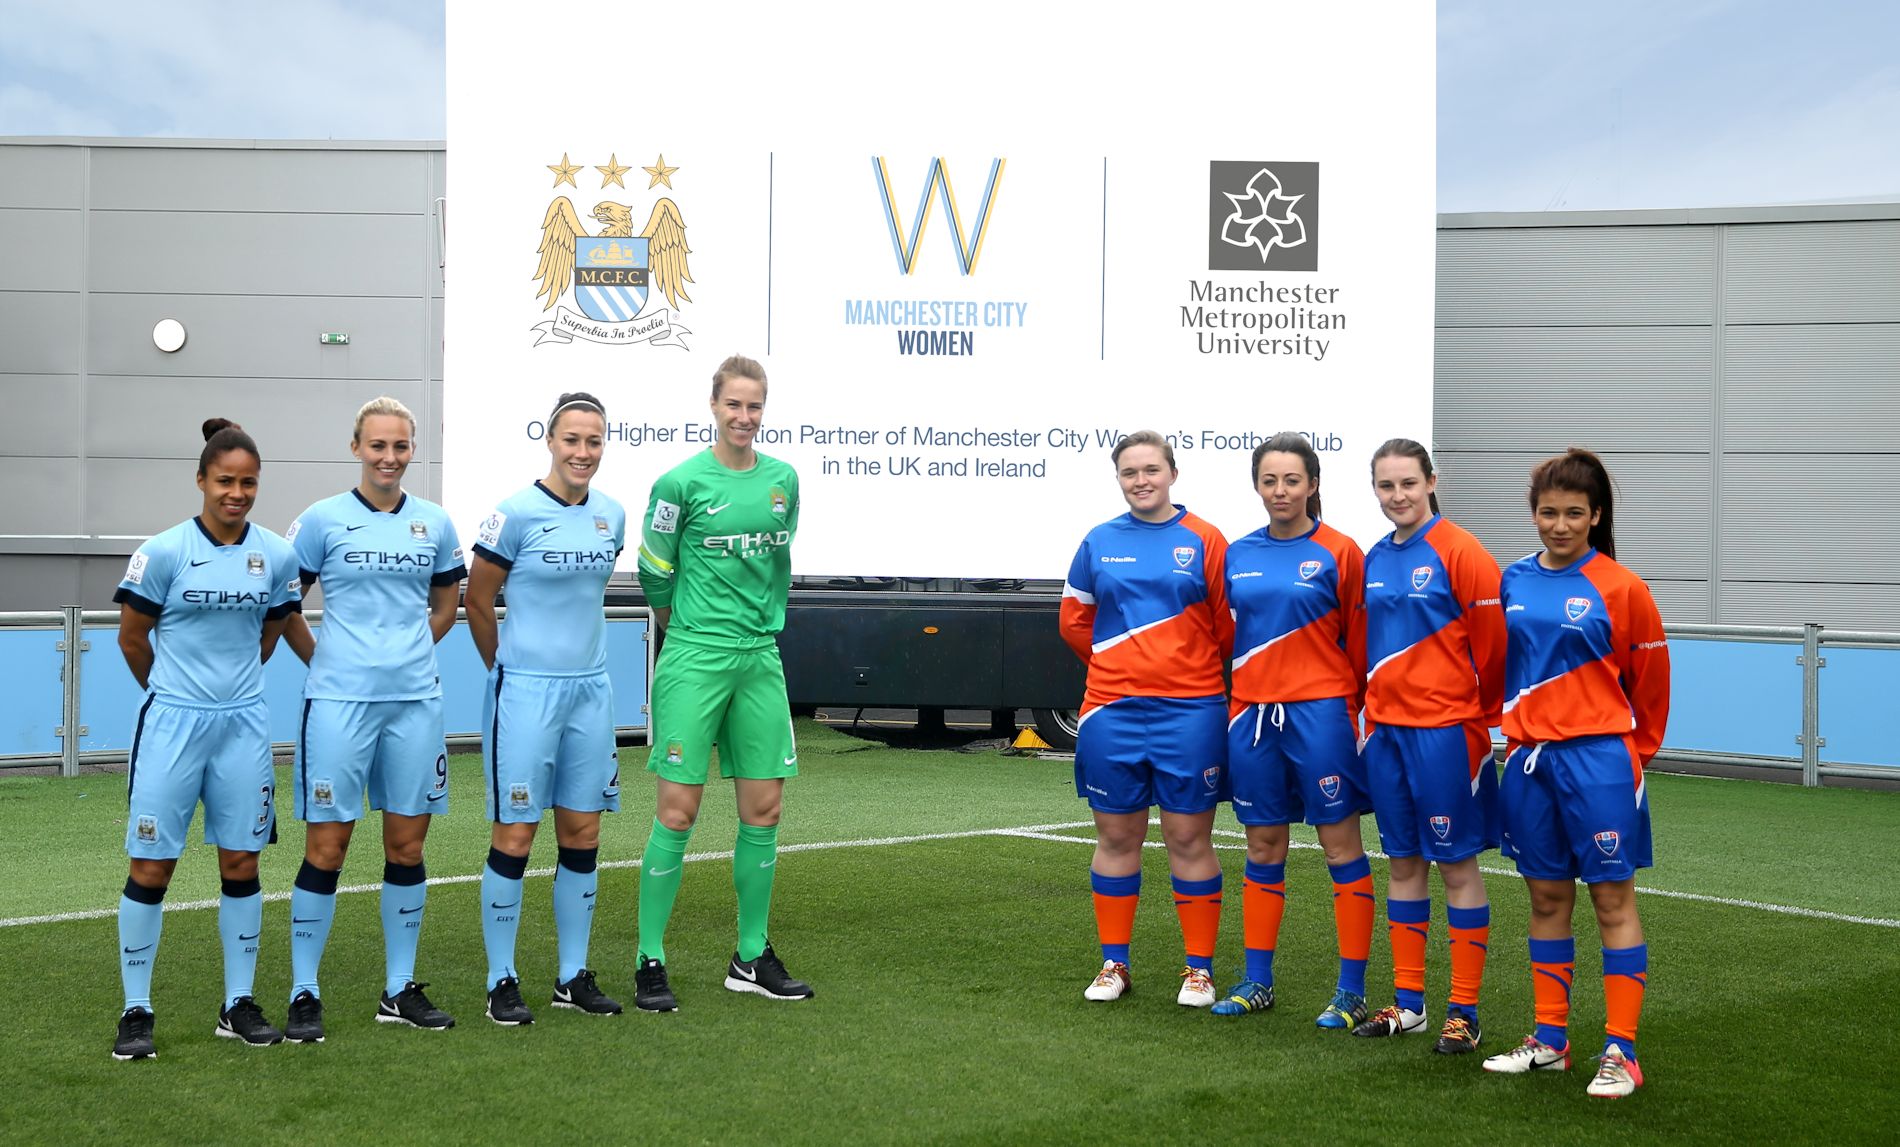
<point x="1145" y="607"/>
<point x="1586" y="655"/>
<point x="1434" y="630"/>
<point x="1299" y="617"/>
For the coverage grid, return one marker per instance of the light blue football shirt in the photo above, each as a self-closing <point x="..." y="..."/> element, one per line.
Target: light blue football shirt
<point x="211" y="602"/>
<point x="377" y="569"/>
<point x="558" y="559"/>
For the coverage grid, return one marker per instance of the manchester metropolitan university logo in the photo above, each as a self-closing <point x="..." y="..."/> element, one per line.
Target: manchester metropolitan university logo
<point x="617" y="278"/>
<point x="1263" y="216"/>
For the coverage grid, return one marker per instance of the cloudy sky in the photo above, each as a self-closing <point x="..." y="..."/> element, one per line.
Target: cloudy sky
<point x="1541" y="105"/>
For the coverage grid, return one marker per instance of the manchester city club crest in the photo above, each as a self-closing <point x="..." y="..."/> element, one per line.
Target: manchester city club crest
<point x="418" y="529"/>
<point x="518" y="796"/>
<point x="322" y="793"/>
<point x="1576" y="607"/>
<point x="602" y="528"/>
<point x="254" y="563"/>
<point x="1421" y="577"/>
<point x="1309" y="570"/>
<point x="627" y="286"/>
<point x="1607" y="842"/>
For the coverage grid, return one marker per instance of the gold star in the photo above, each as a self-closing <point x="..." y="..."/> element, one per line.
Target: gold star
<point x="612" y="172"/>
<point x="660" y="172"/>
<point x="564" y="171"/>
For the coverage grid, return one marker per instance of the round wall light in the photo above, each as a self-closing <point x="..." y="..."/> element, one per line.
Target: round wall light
<point x="168" y="335"/>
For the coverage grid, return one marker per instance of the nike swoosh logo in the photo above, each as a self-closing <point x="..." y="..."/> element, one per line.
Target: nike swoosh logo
<point x="768" y="863"/>
<point x="206" y="562"/>
<point x="252" y="936"/>
<point x="545" y="529"/>
<point x="711" y="510"/>
<point x="135" y="951"/>
<point x="353" y="529"/>
<point x="437" y="796"/>
<point x="259" y="831"/>
<point x="792" y="760"/>
<point x="746" y="973"/>
<point x="492" y="904"/>
<point x="408" y="911"/>
<point x="666" y="871"/>
<point x="587" y="895"/>
<point x="311" y="920"/>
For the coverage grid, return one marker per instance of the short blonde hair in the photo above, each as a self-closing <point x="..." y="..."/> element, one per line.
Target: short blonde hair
<point x="738" y="366"/>
<point x="382" y="405"/>
<point x="1144" y="438"/>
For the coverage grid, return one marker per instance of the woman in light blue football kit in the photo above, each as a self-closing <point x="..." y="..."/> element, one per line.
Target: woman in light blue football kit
<point x="547" y="720"/>
<point x="200" y="610"/>
<point x="391" y="569"/>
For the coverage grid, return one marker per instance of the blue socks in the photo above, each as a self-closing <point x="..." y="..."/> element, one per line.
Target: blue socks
<point x="141" y="916"/>
<point x="405" y="886"/>
<point x="501" y="912"/>
<point x="240" y="923"/>
<point x="575" y="882"/>
<point x="312" y="911"/>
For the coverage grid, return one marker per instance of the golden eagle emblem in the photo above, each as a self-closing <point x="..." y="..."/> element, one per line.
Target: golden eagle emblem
<point x="614" y="277"/>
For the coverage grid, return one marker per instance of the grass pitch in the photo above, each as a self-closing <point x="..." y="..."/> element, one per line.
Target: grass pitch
<point x="949" y="972"/>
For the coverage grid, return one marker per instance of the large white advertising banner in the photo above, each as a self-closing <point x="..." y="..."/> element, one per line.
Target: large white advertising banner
<point x="971" y="246"/>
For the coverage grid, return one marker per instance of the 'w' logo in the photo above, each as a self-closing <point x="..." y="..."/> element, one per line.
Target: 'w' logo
<point x="969" y="245"/>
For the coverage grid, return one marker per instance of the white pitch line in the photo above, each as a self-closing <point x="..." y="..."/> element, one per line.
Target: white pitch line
<point x="813" y="846"/>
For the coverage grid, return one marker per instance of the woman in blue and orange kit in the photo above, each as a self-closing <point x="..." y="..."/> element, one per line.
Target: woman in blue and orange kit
<point x="1144" y="607"/>
<point x="1434" y="689"/>
<point x="1293" y="726"/>
<point x="1586" y="700"/>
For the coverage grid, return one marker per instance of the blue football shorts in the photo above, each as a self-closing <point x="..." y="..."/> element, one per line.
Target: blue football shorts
<point x="1295" y="760"/>
<point x="548" y="742"/>
<point x="392" y="749"/>
<point x="1435" y="791"/>
<point x="182" y="755"/>
<point x="1137" y="752"/>
<point x="1576" y="810"/>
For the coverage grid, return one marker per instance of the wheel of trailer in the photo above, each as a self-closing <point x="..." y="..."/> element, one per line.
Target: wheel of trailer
<point x="1058" y="727"/>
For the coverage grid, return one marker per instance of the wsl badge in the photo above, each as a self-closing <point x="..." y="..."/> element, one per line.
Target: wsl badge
<point x="627" y="286"/>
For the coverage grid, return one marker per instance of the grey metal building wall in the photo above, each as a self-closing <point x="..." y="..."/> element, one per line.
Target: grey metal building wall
<point x="256" y="248"/>
<point x="1739" y="371"/>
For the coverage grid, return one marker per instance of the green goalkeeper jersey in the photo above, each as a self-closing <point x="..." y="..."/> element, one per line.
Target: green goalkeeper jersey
<point x="716" y="545"/>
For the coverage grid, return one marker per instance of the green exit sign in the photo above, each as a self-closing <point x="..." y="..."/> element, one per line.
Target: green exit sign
<point x="334" y="338"/>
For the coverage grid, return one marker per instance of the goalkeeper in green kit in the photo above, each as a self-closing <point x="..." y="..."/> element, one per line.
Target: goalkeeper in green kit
<point x="715" y="564"/>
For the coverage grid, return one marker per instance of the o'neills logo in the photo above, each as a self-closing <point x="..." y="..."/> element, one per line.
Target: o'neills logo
<point x="615" y="277"/>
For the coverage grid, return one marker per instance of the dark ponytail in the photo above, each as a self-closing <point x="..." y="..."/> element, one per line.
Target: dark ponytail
<point x="1292" y="442"/>
<point x="1406" y="448"/>
<point x="1581" y="472"/>
<point x="221" y="436"/>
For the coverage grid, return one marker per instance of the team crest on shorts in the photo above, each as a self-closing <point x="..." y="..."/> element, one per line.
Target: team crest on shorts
<point x="1183" y="555"/>
<point x="323" y="793"/>
<point x="1576" y="607"/>
<point x="1211" y="775"/>
<point x="1309" y="570"/>
<point x="148" y="830"/>
<point x="675" y="752"/>
<point x="1441" y="826"/>
<point x="1421" y="577"/>
<point x="418" y="529"/>
<point x="1607" y="841"/>
<point x="781" y="504"/>
<point x="518" y="796"/>
<point x="601" y="527"/>
<point x="1329" y="786"/>
<point x="254" y="563"/>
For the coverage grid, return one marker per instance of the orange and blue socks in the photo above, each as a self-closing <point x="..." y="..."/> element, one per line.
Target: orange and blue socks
<point x="1115" y="899"/>
<point x="1470" y="931"/>
<point x="1197" y="903"/>
<point x="141" y="919"/>
<point x="312" y="911"/>
<point x="1408" y="923"/>
<point x="1625" y="978"/>
<point x="1353" y="911"/>
<point x="1262" y="907"/>
<point x="1553" y="965"/>
<point x="405" y="893"/>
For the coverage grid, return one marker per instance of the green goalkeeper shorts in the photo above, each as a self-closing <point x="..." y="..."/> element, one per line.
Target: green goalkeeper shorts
<point x="734" y="698"/>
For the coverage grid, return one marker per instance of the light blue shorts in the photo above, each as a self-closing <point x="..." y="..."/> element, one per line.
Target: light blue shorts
<point x="548" y="742"/>
<point x="183" y="755"/>
<point x="394" y="749"/>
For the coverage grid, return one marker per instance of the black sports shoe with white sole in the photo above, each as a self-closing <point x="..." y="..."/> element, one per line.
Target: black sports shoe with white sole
<point x="582" y="994"/>
<point x="135" y="1036"/>
<point x="505" y="1006"/>
<point x="245" y="1020"/>
<point x="650" y="990"/>
<point x="411" y="1007"/>
<point x="304" y="1024"/>
<point x="765" y="976"/>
